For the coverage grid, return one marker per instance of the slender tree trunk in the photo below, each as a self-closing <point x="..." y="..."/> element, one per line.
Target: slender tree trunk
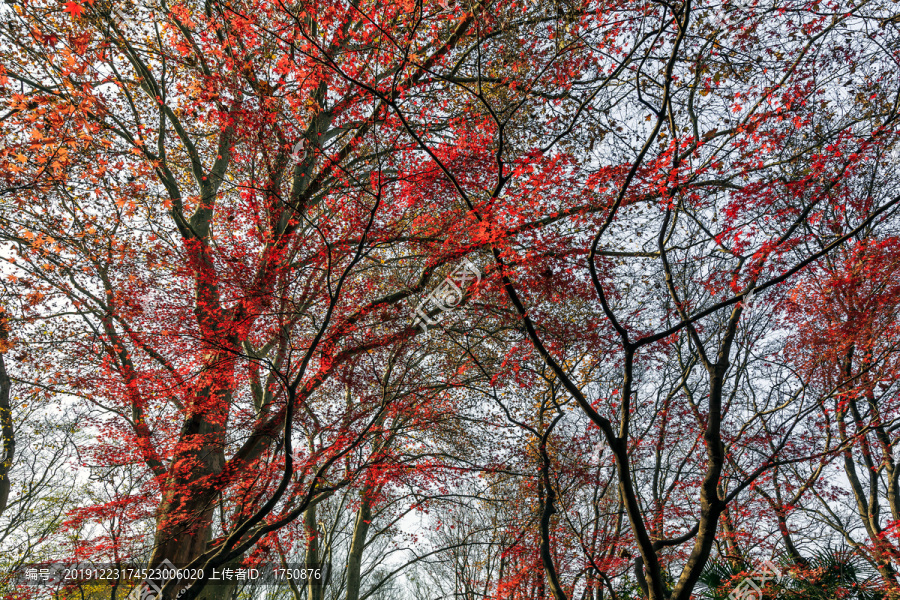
<point x="711" y="504"/>
<point x="7" y="437"/>
<point x="868" y="508"/>
<point x="315" y="589"/>
<point x="887" y="452"/>
<point x="548" y="509"/>
<point x="788" y="539"/>
<point x="358" y="543"/>
<point x="735" y="557"/>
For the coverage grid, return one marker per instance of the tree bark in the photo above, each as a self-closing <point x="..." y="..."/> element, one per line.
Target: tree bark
<point x="869" y="509"/>
<point x="548" y="509"/>
<point x="315" y="591"/>
<point x="185" y="517"/>
<point x="7" y="435"/>
<point x="358" y="544"/>
<point x="734" y="555"/>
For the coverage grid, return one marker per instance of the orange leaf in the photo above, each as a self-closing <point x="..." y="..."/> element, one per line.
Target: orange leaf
<point x="74" y="8"/>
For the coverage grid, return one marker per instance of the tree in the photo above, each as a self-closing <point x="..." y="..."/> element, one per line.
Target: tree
<point x="223" y="285"/>
<point x="846" y="316"/>
<point x="776" y="193"/>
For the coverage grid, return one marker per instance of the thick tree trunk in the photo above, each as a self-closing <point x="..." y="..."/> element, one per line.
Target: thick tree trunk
<point x="185" y="516"/>
<point x="184" y="521"/>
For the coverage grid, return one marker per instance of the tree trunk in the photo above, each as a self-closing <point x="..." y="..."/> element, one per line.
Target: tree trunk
<point x="734" y="555"/>
<point x="358" y="543"/>
<point x="315" y="589"/>
<point x="7" y="439"/>
<point x="547" y="497"/>
<point x="787" y="538"/>
<point x="185" y="517"/>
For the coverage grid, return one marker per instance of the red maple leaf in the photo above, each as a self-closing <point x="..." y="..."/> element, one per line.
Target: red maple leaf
<point x="74" y="8"/>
